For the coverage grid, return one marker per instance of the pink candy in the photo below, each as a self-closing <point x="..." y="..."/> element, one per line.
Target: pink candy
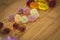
<point x="31" y="18"/>
<point x="26" y="11"/>
<point x="11" y="17"/>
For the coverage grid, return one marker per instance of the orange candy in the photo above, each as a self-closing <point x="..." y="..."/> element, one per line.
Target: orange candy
<point x="34" y="5"/>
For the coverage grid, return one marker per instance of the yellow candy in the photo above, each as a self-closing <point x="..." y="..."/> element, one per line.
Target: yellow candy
<point x="17" y="18"/>
<point x="43" y="5"/>
<point x="34" y="5"/>
<point x="35" y="13"/>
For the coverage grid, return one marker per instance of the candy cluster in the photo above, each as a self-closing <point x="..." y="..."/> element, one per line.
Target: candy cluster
<point x="41" y="4"/>
<point x="25" y="15"/>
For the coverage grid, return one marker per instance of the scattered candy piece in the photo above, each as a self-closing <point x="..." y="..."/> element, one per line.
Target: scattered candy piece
<point x="11" y="17"/>
<point x="24" y="19"/>
<point x="51" y="3"/>
<point x="20" y="10"/>
<point x="28" y="2"/>
<point x="26" y="11"/>
<point x="22" y="28"/>
<point x="31" y="18"/>
<point x="34" y="5"/>
<point x="43" y="5"/>
<point x="16" y="26"/>
<point x="17" y="18"/>
<point x="35" y="13"/>
<point x="1" y="25"/>
<point x="6" y="30"/>
<point x="11" y="38"/>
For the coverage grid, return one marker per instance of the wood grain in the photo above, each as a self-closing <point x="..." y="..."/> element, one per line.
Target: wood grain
<point x="47" y="27"/>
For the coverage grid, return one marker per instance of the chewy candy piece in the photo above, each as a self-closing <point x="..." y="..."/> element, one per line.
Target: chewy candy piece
<point x="28" y="2"/>
<point x="11" y="17"/>
<point x="26" y="11"/>
<point x="1" y="25"/>
<point x="17" y="18"/>
<point x="22" y="28"/>
<point x="43" y="6"/>
<point x="51" y="3"/>
<point x="34" y="5"/>
<point x="6" y="30"/>
<point x="11" y="38"/>
<point x="16" y="26"/>
<point x="24" y="19"/>
<point x="35" y="13"/>
<point x="20" y="10"/>
<point x="31" y="18"/>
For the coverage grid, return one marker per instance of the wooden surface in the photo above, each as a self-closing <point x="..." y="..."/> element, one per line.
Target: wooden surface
<point x="47" y="27"/>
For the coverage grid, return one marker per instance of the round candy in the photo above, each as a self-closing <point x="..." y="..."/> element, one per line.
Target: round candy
<point x="6" y="30"/>
<point x="26" y="11"/>
<point x="34" y="5"/>
<point x="24" y="19"/>
<point x="35" y="13"/>
<point x="20" y="10"/>
<point x="1" y="25"/>
<point x="28" y="2"/>
<point x="31" y="18"/>
<point x="11" y="38"/>
<point x="11" y="17"/>
<point x="17" y="18"/>
<point x="43" y="5"/>
<point x="51" y="3"/>
<point x="22" y="29"/>
<point x="16" y="26"/>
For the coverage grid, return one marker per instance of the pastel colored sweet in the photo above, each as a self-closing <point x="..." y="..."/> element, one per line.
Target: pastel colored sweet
<point x="31" y="18"/>
<point x="51" y="3"/>
<point x="24" y="19"/>
<point x="17" y="18"/>
<point x="35" y="13"/>
<point x="11" y="17"/>
<point x="43" y="5"/>
<point x="26" y="11"/>
<point x="20" y="10"/>
<point x="34" y="5"/>
<point x="11" y="38"/>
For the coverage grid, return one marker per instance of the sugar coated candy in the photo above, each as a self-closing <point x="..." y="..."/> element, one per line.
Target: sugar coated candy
<point x="15" y="26"/>
<point x="11" y="17"/>
<point x="43" y="5"/>
<point x="22" y="28"/>
<point x="34" y="12"/>
<point x="6" y="30"/>
<point x="34" y="5"/>
<point x="51" y="3"/>
<point x="20" y="10"/>
<point x="26" y="11"/>
<point x="28" y="2"/>
<point x="31" y="18"/>
<point x="17" y="18"/>
<point x="11" y="38"/>
<point x="24" y="19"/>
<point x="1" y="25"/>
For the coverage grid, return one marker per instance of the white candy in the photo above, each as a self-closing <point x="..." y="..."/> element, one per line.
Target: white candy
<point x="24" y="19"/>
<point x="34" y="12"/>
<point x="17" y="18"/>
